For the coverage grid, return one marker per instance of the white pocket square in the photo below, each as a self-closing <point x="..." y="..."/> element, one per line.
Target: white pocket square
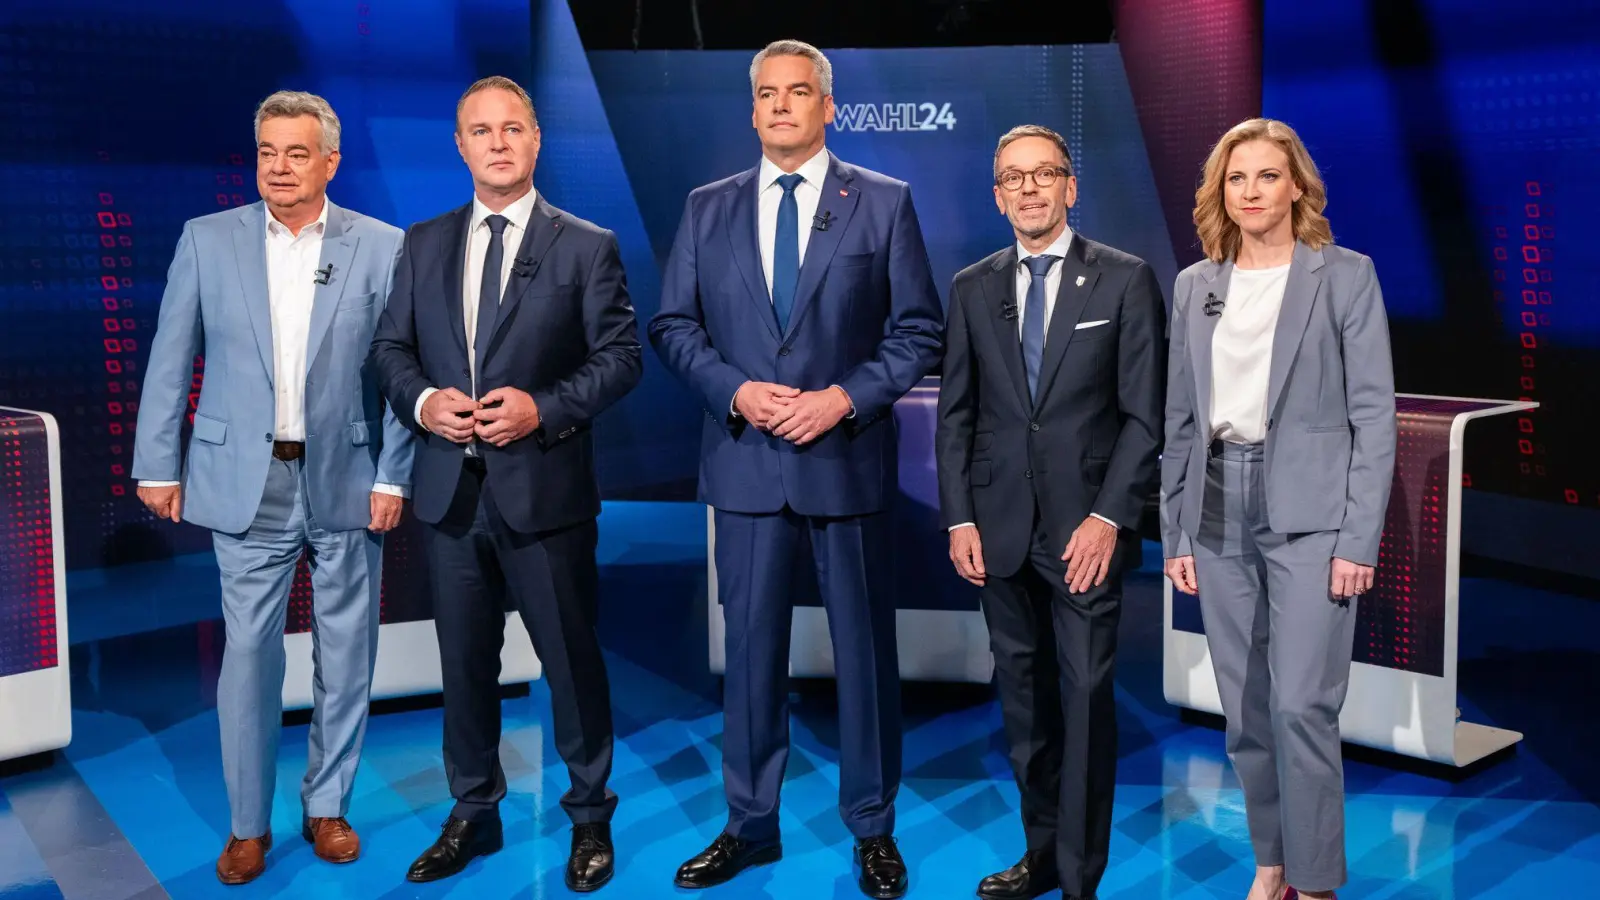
<point x="1082" y="325"/>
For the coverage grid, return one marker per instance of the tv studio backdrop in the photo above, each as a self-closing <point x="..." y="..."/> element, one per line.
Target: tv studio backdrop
<point x="1463" y="164"/>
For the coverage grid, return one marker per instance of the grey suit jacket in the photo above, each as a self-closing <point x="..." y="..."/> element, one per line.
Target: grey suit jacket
<point x="1330" y="404"/>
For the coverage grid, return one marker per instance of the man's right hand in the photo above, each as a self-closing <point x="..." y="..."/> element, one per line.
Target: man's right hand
<point x="165" y="502"/>
<point x="966" y="551"/>
<point x="759" y="401"/>
<point x="448" y="413"/>
<point x="1180" y="570"/>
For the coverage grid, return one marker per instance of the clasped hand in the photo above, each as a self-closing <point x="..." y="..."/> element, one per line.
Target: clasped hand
<point x="502" y="416"/>
<point x="799" y="417"/>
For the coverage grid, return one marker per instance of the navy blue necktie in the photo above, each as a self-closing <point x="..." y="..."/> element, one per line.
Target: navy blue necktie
<point x="489" y="289"/>
<point x="1033" y="319"/>
<point x="786" y="251"/>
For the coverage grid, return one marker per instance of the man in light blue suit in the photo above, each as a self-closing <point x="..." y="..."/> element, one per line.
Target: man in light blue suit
<point x="293" y="450"/>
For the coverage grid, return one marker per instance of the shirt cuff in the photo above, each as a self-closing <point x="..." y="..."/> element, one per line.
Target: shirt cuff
<point x="1106" y="520"/>
<point x="416" y="414"/>
<point x="393" y="490"/>
<point x="962" y="525"/>
<point x="852" y="413"/>
<point x="159" y="483"/>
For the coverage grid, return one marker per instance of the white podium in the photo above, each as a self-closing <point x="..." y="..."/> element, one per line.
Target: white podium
<point x="35" y="681"/>
<point x="1402" y="693"/>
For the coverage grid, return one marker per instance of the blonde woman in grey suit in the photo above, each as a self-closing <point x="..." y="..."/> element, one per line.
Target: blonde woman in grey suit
<point x="1280" y="443"/>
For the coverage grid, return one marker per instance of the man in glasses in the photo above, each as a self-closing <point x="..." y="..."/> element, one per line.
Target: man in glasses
<point x="1050" y="421"/>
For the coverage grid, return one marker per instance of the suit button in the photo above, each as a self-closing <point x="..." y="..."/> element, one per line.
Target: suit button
<point x="1033" y="426"/>
<point x="269" y="437"/>
<point x="466" y="372"/>
<point x="1028" y="474"/>
<point x="783" y="351"/>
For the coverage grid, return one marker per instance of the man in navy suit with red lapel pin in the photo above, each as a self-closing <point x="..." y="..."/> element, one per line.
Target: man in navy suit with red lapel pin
<point x="799" y="306"/>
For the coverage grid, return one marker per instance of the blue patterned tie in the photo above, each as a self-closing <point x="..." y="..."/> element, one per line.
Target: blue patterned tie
<point x="786" y="251"/>
<point x="1033" y="319"/>
<point x="489" y="291"/>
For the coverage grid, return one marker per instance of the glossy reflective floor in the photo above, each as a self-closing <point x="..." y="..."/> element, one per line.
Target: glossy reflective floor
<point x="135" y="807"/>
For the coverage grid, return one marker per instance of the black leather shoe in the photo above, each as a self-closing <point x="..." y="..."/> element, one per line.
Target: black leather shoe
<point x="882" y="872"/>
<point x="592" y="861"/>
<point x="726" y="857"/>
<point x="458" y="844"/>
<point x="1033" y="875"/>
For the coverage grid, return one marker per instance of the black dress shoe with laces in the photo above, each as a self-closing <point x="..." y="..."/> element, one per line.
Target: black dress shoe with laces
<point x="726" y="857"/>
<point x="459" y="843"/>
<point x="882" y="873"/>
<point x="592" y="860"/>
<point x="1033" y="875"/>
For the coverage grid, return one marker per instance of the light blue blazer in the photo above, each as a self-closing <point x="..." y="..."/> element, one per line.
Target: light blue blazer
<point x="216" y="305"/>
<point x="1331" y="428"/>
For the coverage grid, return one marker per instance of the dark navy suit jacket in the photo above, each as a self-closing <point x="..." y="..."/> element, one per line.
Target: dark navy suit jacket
<point x="1089" y="442"/>
<point x="566" y="334"/>
<point x="866" y="317"/>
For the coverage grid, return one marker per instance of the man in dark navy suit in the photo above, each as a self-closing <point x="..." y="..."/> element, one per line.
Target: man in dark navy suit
<point x="508" y="332"/>
<point x="799" y="306"/>
<point x="1050" y="422"/>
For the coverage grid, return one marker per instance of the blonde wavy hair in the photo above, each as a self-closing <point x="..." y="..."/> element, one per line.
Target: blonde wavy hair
<point x="1219" y="234"/>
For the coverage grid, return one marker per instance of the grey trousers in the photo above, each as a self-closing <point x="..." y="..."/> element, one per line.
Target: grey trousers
<point x="1280" y="646"/>
<point x="257" y="572"/>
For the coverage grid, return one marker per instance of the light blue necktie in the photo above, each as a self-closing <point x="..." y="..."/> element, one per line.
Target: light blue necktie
<point x="1033" y="319"/>
<point x="786" y="251"/>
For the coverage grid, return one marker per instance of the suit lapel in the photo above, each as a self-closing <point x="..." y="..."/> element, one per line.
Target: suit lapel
<point x="1079" y="274"/>
<point x="544" y="226"/>
<point x="745" y="240"/>
<point x="455" y="263"/>
<point x="250" y="250"/>
<point x="338" y="250"/>
<point x="1000" y="290"/>
<point x="837" y="205"/>
<point x="1213" y="282"/>
<point x="1299" y="296"/>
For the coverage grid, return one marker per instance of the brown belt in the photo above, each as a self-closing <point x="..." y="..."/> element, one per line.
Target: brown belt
<point x="288" y="451"/>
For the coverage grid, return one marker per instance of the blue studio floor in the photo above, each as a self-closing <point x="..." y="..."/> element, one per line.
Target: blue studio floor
<point x="135" y="808"/>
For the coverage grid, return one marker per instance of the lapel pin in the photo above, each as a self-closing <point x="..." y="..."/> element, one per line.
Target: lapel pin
<point x="1080" y="281"/>
<point x="843" y="192"/>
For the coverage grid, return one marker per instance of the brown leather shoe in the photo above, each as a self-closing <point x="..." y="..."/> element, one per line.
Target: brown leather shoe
<point x="243" y="860"/>
<point x="335" y="841"/>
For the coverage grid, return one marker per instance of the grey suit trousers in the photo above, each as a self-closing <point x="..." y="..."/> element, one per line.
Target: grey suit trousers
<point x="1280" y="646"/>
<point x="258" y="569"/>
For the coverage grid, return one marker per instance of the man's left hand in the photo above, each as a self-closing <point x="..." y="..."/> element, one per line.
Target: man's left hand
<point x="385" y="512"/>
<point x="810" y="415"/>
<point x="1088" y="554"/>
<point x="507" y="415"/>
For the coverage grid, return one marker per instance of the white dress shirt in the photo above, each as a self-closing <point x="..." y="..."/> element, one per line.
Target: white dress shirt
<point x="807" y="194"/>
<point x="292" y="261"/>
<point x="1052" y="286"/>
<point x="1241" y="353"/>
<point x="478" y="235"/>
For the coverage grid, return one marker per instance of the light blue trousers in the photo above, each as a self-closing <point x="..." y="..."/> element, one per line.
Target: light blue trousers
<point x="258" y="569"/>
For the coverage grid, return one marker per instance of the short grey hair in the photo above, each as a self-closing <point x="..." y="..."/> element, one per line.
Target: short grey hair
<point x="293" y="104"/>
<point x="1038" y="131"/>
<point x="794" y="48"/>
